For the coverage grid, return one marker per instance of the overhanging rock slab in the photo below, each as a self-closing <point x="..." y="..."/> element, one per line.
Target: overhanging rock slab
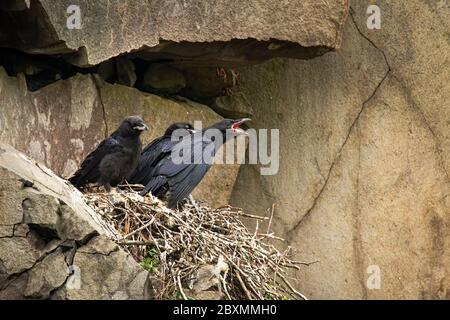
<point x="222" y="30"/>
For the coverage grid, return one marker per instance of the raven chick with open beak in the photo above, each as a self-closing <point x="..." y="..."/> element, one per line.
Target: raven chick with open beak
<point x="180" y="179"/>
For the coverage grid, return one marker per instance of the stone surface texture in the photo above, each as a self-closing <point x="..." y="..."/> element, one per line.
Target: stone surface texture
<point x="42" y="256"/>
<point x="109" y="28"/>
<point x="364" y="156"/>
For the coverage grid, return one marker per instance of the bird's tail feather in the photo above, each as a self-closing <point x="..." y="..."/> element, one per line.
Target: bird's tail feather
<point x="153" y="185"/>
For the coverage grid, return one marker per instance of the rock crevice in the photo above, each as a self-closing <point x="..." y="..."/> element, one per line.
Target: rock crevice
<point x="292" y="231"/>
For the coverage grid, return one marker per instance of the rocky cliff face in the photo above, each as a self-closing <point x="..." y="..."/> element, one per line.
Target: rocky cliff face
<point x="72" y="115"/>
<point x="52" y="245"/>
<point x="364" y="131"/>
<point x="366" y="182"/>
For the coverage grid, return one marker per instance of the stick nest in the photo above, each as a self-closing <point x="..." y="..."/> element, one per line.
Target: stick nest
<point x="197" y="252"/>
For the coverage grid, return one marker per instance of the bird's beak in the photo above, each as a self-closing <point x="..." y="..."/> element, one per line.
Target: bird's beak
<point x="236" y="126"/>
<point x="141" y="127"/>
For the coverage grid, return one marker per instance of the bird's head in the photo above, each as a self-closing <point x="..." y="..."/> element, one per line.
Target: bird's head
<point x="133" y="126"/>
<point x="233" y="126"/>
<point x="179" y="126"/>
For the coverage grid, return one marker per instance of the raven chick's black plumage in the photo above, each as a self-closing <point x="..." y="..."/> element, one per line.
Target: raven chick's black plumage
<point x="115" y="158"/>
<point x="156" y="149"/>
<point x="180" y="179"/>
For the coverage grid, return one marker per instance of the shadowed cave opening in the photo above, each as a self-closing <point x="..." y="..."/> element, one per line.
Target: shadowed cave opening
<point x="201" y="72"/>
<point x="168" y="78"/>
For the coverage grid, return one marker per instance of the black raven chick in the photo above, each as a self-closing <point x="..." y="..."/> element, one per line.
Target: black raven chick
<point x="181" y="178"/>
<point x="152" y="153"/>
<point x="115" y="158"/>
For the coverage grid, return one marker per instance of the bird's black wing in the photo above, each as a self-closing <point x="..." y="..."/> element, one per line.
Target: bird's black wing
<point x="155" y="164"/>
<point x="154" y="184"/>
<point x="182" y="184"/>
<point x="149" y="158"/>
<point x="89" y="169"/>
<point x="184" y="177"/>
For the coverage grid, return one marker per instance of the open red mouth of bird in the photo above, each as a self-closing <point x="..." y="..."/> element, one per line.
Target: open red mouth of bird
<point x="236" y="127"/>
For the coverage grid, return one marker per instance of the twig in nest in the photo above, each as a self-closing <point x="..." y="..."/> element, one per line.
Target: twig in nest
<point x="247" y="293"/>
<point x="180" y="286"/>
<point x="140" y="228"/>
